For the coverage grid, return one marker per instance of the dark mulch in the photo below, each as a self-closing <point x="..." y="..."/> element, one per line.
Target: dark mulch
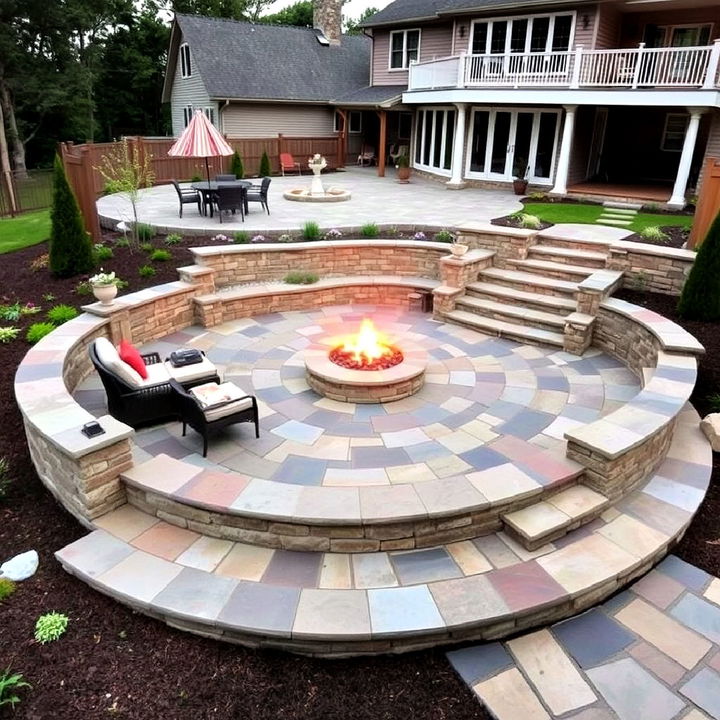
<point x="515" y="222"/>
<point x="113" y="662"/>
<point x="676" y="237"/>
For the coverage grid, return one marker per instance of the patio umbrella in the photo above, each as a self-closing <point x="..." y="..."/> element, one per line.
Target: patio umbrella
<point x="200" y="139"/>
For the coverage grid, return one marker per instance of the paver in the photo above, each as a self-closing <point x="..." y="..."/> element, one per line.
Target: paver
<point x="704" y="690"/>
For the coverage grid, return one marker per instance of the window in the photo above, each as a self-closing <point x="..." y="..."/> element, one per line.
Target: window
<point x="210" y="114"/>
<point x="354" y="120"/>
<point x="187" y="114"/>
<point x="673" y="135"/>
<point x="656" y="36"/>
<point x="528" y="34"/>
<point x="404" y="48"/>
<point x="185" y="64"/>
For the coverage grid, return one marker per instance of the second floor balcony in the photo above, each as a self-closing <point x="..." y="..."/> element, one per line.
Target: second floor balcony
<point x="623" y="69"/>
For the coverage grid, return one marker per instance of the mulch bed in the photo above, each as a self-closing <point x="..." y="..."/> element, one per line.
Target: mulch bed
<point x="515" y="222"/>
<point x="676" y="237"/>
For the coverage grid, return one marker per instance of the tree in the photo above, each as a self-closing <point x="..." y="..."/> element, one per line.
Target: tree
<point x="70" y="245"/>
<point x="700" y="298"/>
<point x="265" y="169"/>
<point x="299" y="14"/>
<point x="236" y="166"/>
<point x="352" y="26"/>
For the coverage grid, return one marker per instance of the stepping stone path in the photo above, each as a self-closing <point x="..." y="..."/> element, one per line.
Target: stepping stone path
<point x="650" y="653"/>
<point x="618" y="214"/>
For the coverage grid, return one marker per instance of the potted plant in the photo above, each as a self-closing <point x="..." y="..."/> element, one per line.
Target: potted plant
<point x="520" y="171"/>
<point x="104" y="286"/>
<point x="403" y="168"/>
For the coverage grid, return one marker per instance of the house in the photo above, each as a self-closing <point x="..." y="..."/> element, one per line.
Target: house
<point x="599" y="97"/>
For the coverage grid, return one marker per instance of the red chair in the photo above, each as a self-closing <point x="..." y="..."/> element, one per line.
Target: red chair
<point x="287" y="162"/>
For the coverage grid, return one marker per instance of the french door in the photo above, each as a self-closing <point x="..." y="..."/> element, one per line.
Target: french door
<point x="434" y="136"/>
<point x="507" y="142"/>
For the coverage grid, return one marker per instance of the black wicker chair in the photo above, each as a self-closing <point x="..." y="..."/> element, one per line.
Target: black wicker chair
<point x="259" y="193"/>
<point x="192" y="414"/>
<point x="187" y="197"/>
<point x="136" y="407"/>
<point x="230" y="199"/>
<point x="225" y="178"/>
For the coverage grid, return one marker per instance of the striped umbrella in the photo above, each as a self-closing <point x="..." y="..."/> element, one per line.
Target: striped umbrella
<point x="200" y="139"/>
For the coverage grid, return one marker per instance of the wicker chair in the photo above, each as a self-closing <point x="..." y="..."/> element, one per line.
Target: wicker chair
<point x="259" y="193"/>
<point x="230" y="199"/>
<point x="146" y="405"/>
<point x="187" y="197"/>
<point x="210" y="420"/>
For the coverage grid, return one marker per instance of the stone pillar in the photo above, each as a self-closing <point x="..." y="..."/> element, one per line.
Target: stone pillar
<point x="578" y="332"/>
<point x="677" y="200"/>
<point x="327" y="17"/>
<point x="456" y="182"/>
<point x="561" y="174"/>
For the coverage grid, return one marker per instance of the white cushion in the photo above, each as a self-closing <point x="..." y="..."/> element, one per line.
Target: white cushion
<point x="157" y="374"/>
<point x="108" y="357"/>
<point x="190" y="373"/>
<point x="225" y="410"/>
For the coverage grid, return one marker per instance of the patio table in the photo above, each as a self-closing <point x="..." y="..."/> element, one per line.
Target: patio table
<point x="206" y="189"/>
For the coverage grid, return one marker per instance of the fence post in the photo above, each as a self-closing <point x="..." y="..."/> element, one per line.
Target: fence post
<point x="575" y="81"/>
<point x="86" y="195"/>
<point x="638" y="65"/>
<point x="712" y="67"/>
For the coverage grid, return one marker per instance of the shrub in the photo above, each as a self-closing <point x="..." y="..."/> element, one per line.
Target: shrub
<point x="444" y="236"/>
<point x="4" y="477"/>
<point x="11" y="313"/>
<point x="370" y="230"/>
<point x="196" y="178"/>
<point x="700" y="298"/>
<point x="9" y="685"/>
<point x="653" y="233"/>
<point x="160" y="255"/>
<point x="70" y="246"/>
<point x="265" y="169"/>
<point x="8" y="333"/>
<point x="173" y="239"/>
<point x="236" y="166"/>
<point x="61" y="313"/>
<point x="147" y="247"/>
<point x="532" y="222"/>
<point x="145" y="233"/>
<point x="37" y="331"/>
<point x="123" y="241"/>
<point x="50" y="627"/>
<point x="241" y="237"/>
<point x="146" y="271"/>
<point x="102" y="252"/>
<point x="301" y="277"/>
<point x="7" y="588"/>
<point x="83" y="288"/>
<point x="311" y="230"/>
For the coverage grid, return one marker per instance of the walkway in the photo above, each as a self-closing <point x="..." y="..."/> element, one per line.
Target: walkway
<point x="650" y="653"/>
<point x="379" y="200"/>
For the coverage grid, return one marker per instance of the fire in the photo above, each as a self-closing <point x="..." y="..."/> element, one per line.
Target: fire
<point x="366" y="350"/>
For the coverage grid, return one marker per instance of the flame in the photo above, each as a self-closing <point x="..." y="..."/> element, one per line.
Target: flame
<point x="367" y="345"/>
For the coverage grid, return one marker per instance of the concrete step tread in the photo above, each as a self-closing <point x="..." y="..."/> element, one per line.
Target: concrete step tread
<point x="527" y="278"/>
<point x="612" y="221"/>
<point x="505" y="292"/>
<point x="557" y="251"/>
<point x="506" y="329"/>
<point x="550" y="266"/>
<point x="619" y="205"/>
<point x="514" y="311"/>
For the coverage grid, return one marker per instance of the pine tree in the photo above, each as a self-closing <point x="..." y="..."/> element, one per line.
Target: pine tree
<point x="265" y="165"/>
<point x="700" y="299"/>
<point x="236" y="166"/>
<point x="70" y="246"/>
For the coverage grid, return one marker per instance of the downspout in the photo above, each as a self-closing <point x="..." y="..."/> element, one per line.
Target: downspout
<point x="221" y="114"/>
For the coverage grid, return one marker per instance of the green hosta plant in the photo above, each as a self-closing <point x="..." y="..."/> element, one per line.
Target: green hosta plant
<point x="37" y="331"/>
<point x="9" y="685"/>
<point x="50" y="627"/>
<point x="61" y="314"/>
<point x="8" y="333"/>
<point x="102" y="252"/>
<point x="7" y="588"/>
<point x="173" y="239"/>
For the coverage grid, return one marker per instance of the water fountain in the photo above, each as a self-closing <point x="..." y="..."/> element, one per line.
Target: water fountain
<point x="316" y="192"/>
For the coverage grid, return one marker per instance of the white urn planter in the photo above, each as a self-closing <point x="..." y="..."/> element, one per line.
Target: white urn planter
<point x="105" y="293"/>
<point x="458" y="249"/>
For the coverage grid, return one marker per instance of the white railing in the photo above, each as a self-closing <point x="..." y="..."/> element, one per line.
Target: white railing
<point x="687" y="67"/>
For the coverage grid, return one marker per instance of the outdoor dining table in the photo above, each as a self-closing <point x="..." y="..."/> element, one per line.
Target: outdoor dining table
<point x="206" y="189"/>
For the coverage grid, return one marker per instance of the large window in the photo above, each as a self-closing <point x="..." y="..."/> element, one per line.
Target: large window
<point x="434" y="139"/>
<point x="187" y="115"/>
<point x="185" y="64"/>
<point x="404" y="48"/>
<point x="536" y="33"/>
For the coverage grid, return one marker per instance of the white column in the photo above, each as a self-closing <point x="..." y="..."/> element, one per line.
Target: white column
<point x="677" y="200"/>
<point x="456" y="181"/>
<point x="563" y="166"/>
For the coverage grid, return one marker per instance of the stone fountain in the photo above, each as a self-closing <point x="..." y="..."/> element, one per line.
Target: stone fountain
<point x="317" y="192"/>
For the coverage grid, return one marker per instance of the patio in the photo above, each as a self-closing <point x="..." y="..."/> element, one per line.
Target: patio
<point x="380" y="200"/>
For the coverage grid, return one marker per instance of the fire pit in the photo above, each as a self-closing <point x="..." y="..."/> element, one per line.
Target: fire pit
<point x="366" y="368"/>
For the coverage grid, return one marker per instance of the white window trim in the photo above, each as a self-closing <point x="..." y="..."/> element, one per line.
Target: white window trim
<point x="528" y="35"/>
<point x="406" y="62"/>
<point x="663" y="137"/>
<point x="422" y="138"/>
<point x="209" y="111"/>
<point x="185" y="66"/>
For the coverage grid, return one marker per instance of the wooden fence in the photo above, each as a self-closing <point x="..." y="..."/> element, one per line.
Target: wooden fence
<point x="708" y="205"/>
<point x="22" y="192"/>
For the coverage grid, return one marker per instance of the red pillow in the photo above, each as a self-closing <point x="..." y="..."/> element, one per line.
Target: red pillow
<point x="129" y="354"/>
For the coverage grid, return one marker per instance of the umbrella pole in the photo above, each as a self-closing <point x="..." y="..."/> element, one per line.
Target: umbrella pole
<point x="207" y="169"/>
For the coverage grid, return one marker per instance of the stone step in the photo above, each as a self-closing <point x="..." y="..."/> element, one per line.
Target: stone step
<point x="554" y="517"/>
<point x="548" y="238"/>
<point x="512" y="313"/>
<point x="514" y="331"/>
<point x="529" y="281"/>
<point x="564" y="271"/>
<point x="589" y="258"/>
<point x="617" y="205"/>
<point x="614" y="222"/>
<point x="625" y="214"/>
<point x="513" y="296"/>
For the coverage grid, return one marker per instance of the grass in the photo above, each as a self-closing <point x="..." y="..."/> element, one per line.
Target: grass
<point x="24" y="230"/>
<point x="588" y="214"/>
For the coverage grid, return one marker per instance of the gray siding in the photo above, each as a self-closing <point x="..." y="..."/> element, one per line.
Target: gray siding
<point x="187" y="91"/>
<point x="264" y="120"/>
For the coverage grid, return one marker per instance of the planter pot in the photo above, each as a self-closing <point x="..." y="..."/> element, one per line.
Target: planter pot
<point x="458" y="250"/>
<point x="105" y="293"/>
<point x="403" y="174"/>
<point x="520" y="186"/>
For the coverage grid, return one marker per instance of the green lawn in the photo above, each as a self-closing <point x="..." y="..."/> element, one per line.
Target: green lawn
<point x="588" y="214"/>
<point x="24" y="230"/>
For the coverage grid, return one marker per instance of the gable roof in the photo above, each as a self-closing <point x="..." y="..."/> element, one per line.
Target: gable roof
<point x="240" y="60"/>
<point x="402" y="11"/>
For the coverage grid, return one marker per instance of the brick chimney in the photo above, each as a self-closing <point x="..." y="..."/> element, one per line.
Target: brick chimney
<point x="327" y="17"/>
